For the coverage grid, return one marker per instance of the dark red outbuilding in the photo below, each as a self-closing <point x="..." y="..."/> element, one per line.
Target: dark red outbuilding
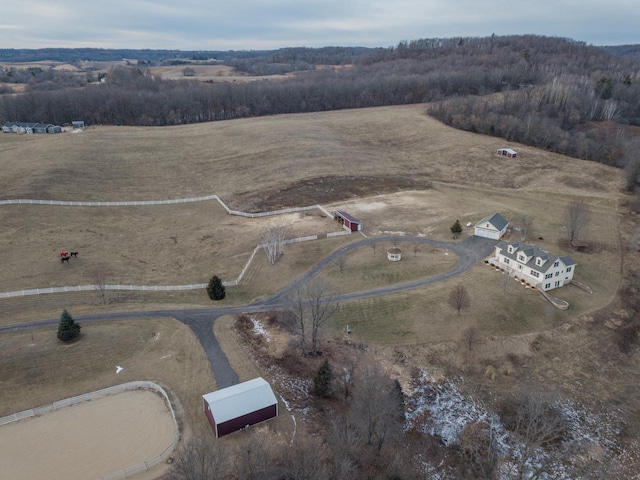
<point x="348" y="221"/>
<point x="236" y="407"/>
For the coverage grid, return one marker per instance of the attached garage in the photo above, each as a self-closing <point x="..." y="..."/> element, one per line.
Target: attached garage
<point x="234" y="408"/>
<point x="494" y="226"/>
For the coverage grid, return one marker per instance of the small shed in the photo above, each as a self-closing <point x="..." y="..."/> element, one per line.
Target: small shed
<point x="77" y="124"/>
<point x="507" y="152"/>
<point x="494" y="226"/>
<point x="54" y="129"/>
<point x="234" y="408"/>
<point x="347" y="221"/>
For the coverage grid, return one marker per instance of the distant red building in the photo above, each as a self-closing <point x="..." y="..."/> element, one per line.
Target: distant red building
<point x="348" y="221"/>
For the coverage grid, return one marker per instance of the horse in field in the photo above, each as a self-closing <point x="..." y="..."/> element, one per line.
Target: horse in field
<point x="64" y="259"/>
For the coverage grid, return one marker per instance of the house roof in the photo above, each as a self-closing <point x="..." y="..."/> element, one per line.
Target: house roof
<point x="533" y="252"/>
<point x="346" y="216"/>
<point x="237" y="400"/>
<point x="496" y="220"/>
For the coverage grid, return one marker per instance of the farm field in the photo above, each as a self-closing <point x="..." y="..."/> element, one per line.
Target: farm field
<point x="287" y="160"/>
<point x="151" y="245"/>
<point x="108" y="434"/>
<point x="395" y="169"/>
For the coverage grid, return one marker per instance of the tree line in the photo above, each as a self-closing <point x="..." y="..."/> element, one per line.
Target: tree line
<point x="547" y="92"/>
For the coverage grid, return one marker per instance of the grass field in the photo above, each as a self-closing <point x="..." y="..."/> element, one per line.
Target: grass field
<point x="39" y="370"/>
<point x="394" y="168"/>
<point x="364" y="269"/>
<point x="241" y="159"/>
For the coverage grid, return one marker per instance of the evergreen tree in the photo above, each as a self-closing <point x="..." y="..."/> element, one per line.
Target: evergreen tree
<point x="456" y="229"/>
<point x="323" y="380"/>
<point x="68" y="329"/>
<point x="215" y="289"/>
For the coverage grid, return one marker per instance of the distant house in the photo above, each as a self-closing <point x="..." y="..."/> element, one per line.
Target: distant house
<point x="234" y="408"/>
<point x="534" y="265"/>
<point x="77" y="124"/>
<point x="30" y="127"/>
<point x="507" y="152"/>
<point x="347" y="221"/>
<point x="494" y="226"/>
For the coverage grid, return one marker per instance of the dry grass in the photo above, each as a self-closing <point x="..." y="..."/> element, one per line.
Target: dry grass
<point x="363" y="269"/>
<point x="42" y="370"/>
<point x="157" y="245"/>
<point x="243" y="156"/>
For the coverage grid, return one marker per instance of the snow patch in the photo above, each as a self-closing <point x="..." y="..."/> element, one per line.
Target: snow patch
<point x="258" y="329"/>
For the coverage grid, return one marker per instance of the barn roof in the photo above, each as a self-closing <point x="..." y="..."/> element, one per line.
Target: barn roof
<point x="496" y="220"/>
<point x="237" y="400"/>
<point x="346" y="216"/>
<point x="508" y="150"/>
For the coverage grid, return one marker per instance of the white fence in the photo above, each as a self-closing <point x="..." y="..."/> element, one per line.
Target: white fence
<point x="109" y="204"/>
<point x="162" y="288"/>
<point x="125" y="387"/>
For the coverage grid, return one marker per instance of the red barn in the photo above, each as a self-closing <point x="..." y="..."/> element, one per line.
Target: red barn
<point x="233" y="408"/>
<point x="348" y="221"/>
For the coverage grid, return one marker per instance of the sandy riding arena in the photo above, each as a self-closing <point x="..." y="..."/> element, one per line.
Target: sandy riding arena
<point x="88" y="440"/>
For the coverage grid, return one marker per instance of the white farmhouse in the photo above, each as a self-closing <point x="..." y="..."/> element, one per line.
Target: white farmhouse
<point x="534" y="265"/>
<point x="493" y="226"/>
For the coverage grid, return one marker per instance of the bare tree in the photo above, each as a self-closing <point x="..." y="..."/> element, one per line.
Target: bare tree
<point x="100" y="282"/>
<point x="340" y="262"/>
<point x="534" y="418"/>
<point x="312" y="308"/>
<point x="376" y="410"/>
<point x="202" y="458"/>
<point x="470" y="338"/>
<point x="345" y="372"/>
<point x="303" y="459"/>
<point x="459" y="298"/>
<point x="525" y="224"/>
<point x="273" y="239"/>
<point x="576" y="218"/>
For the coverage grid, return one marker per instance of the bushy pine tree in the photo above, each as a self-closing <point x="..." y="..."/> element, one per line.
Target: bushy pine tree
<point x="215" y="289"/>
<point x="68" y="329"/>
<point x="323" y="380"/>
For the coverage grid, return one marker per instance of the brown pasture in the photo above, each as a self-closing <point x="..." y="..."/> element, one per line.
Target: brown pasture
<point x="242" y="159"/>
<point x="438" y="175"/>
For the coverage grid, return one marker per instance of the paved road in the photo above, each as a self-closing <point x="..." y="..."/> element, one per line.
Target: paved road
<point x="201" y="321"/>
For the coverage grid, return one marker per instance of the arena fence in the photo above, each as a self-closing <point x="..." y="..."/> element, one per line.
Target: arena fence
<point x="125" y="387"/>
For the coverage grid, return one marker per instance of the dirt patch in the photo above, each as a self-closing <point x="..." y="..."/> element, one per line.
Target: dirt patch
<point x="326" y="189"/>
<point x="108" y="435"/>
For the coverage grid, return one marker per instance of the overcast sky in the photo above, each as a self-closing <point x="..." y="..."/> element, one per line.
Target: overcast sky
<point x="267" y="24"/>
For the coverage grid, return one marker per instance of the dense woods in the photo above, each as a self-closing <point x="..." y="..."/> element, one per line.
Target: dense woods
<point x="551" y="93"/>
